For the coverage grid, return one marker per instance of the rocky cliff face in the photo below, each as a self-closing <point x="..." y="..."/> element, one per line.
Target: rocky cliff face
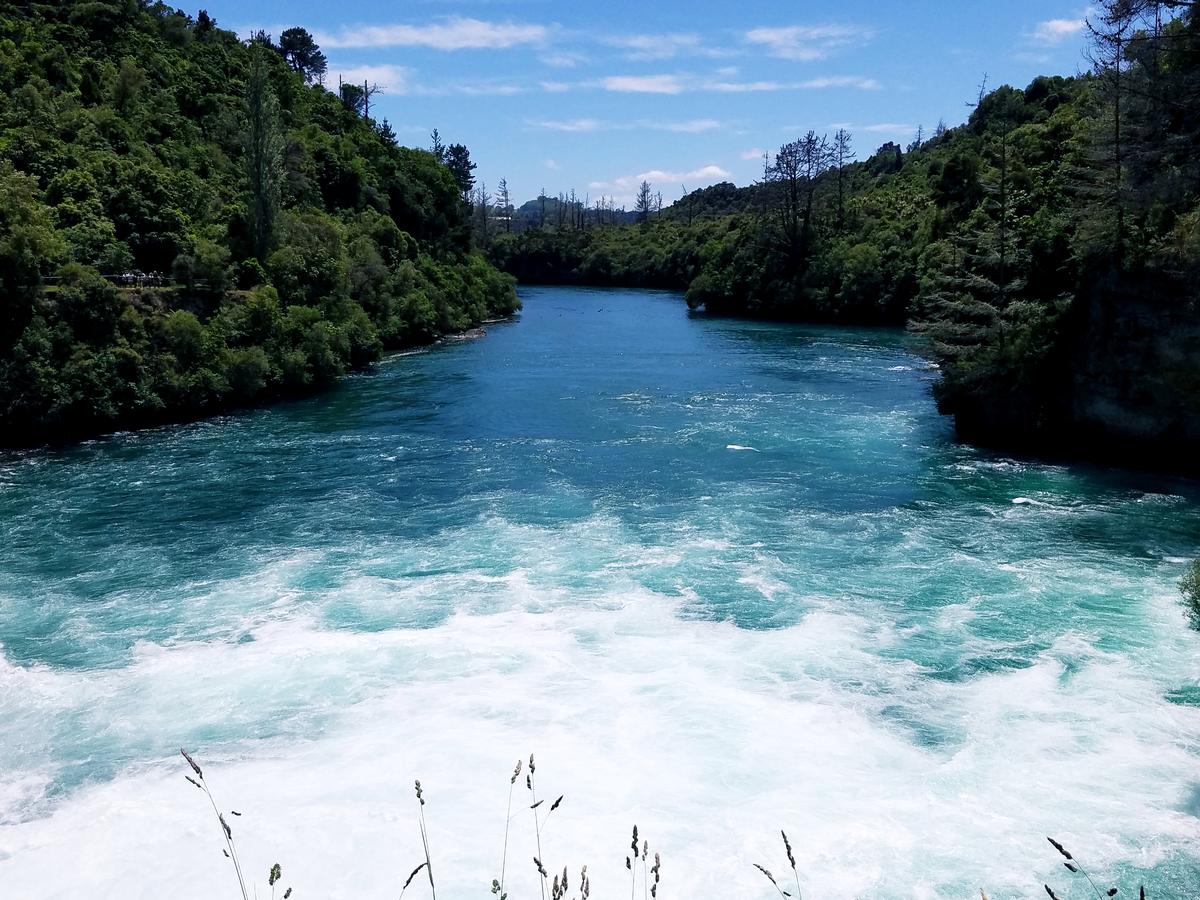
<point x="1136" y="387"/>
<point x="1126" y="390"/>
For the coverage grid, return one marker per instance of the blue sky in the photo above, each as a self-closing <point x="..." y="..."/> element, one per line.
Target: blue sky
<point x="596" y="96"/>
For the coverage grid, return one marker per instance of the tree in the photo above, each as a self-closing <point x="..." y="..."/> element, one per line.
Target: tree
<point x="131" y="78"/>
<point x="1143" y="54"/>
<point x="481" y="200"/>
<point x="357" y="97"/>
<point x="1109" y="41"/>
<point x="386" y="133"/>
<point x="28" y="242"/>
<point x="458" y="160"/>
<point x="264" y="155"/>
<point x="352" y="97"/>
<point x="504" y="204"/>
<point x="843" y="155"/>
<point x="792" y="180"/>
<point x="643" y="205"/>
<point x="369" y="91"/>
<point x="303" y="55"/>
<point x="436" y="147"/>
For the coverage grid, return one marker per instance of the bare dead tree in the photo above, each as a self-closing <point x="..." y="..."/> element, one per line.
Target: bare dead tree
<point x="843" y="155"/>
<point x="793" y="178"/>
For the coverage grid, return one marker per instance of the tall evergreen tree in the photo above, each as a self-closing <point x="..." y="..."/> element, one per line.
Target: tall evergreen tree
<point x="458" y="160"/>
<point x="264" y="152"/>
<point x="643" y="204"/>
<point x="301" y="52"/>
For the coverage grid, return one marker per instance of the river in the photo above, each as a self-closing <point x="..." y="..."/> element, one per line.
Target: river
<point x="723" y="577"/>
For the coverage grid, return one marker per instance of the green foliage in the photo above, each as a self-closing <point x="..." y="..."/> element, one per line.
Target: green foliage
<point x="1190" y="588"/>
<point x="28" y="245"/>
<point x="303" y="54"/>
<point x="264" y="152"/>
<point x="292" y="242"/>
<point x="1014" y="244"/>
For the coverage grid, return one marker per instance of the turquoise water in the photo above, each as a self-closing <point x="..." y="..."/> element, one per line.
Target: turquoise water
<point x="723" y="577"/>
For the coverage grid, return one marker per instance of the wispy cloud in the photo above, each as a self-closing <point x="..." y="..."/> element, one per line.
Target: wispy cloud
<point x="689" y="126"/>
<point x="1053" y="32"/>
<point x="624" y="187"/>
<point x="644" y="84"/>
<point x="887" y="128"/>
<point x="664" y="46"/>
<point x="488" y="89"/>
<point x="447" y="34"/>
<point x="805" y="43"/>
<point x="840" y="81"/>
<point x="743" y="87"/>
<point x="402" y="81"/>
<point x="681" y="83"/>
<point x="569" y="125"/>
<point x="692" y="126"/>
<point x="391" y="79"/>
<point x="564" y="59"/>
<point x="753" y="153"/>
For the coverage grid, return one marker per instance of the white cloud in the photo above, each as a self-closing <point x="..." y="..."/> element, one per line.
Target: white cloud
<point x="392" y="79"/>
<point x="664" y="46"/>
<point x="569" y="125"/>
<point x="754" y="153"/>
<point x="564" y="59"/>
<point x="551" y="164"/>
<point x="488" y="89"/>
<point x="448" y="34"/>
<point x="888" y="128"/>
<point x="643" y="84"/>
<point x="624" y="187"/>
<point x="401" y="81"/>
<point x="840" y="81"/>
<point x="692" y="126"/>
<point x="806" y="42"/>
<point x="1053" y="32"/>
<point x="680" y="83"/>
<point x="556" y="87"/>
<point x="743" y="87"/>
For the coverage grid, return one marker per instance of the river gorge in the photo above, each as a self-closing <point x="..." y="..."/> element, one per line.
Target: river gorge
<point x="722" y="577"/>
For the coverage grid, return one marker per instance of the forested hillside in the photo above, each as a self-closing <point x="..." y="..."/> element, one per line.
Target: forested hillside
<point x="190" y="223"/>
<point x="1048" y="249"/>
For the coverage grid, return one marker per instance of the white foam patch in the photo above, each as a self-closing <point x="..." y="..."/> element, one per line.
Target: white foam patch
<point x="709" y="737"/>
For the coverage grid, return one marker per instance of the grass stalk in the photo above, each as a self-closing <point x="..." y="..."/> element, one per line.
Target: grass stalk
<point x="425" y="841"/>
<point x="200" y="782"/>
<point x="531" y="783"/>
<point x="512" y="783"/>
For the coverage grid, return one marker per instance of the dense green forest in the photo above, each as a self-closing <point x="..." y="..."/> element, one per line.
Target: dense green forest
<point x="1048" y="249"/>
<point x="190" y="222"/>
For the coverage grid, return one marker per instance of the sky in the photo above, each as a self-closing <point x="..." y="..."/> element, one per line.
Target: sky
<point x="597" y="96"/>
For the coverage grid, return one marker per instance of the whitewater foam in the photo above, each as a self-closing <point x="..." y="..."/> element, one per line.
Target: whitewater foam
<point x="441" y="567"/>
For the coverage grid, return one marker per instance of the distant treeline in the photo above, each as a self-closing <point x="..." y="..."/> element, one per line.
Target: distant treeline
<point x="288" y="238"/>
<point x="1048" y="249"/>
